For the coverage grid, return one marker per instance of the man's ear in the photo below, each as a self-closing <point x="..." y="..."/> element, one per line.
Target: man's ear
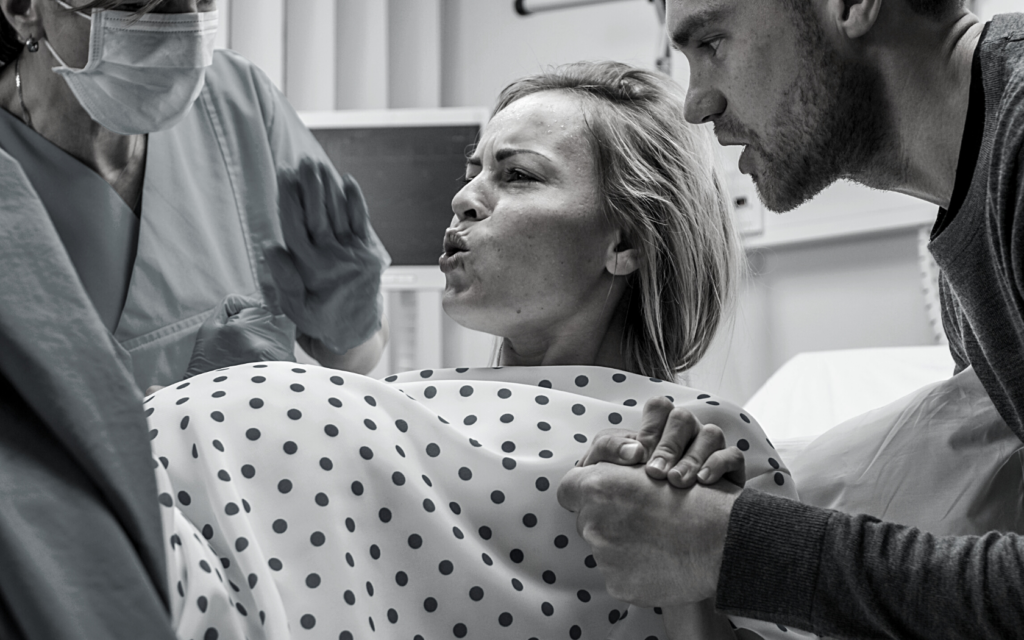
<point x="853" y="18"/>
<point x="24" y="16"/>
<point x="622" y="258"/>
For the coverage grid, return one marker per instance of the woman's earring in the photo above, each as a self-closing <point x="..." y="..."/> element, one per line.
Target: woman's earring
<point x="32" y="45"/>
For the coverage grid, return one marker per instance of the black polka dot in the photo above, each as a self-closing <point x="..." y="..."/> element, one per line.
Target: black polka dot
<point x="275" y="564"/>
<point x="583" y="595"/>
<point x="743" y="445"/>
<point x="487" y="559"/>
<point x="575" y="632"/>
<point x="469" y="420"/>
<point x="217" y="416"/>
<point x="774" y="463"/>
<point x="744" y="418"/>
<point x="508" y="446"/>
<point x="331" y="430"/>
<point x="476" y="594"/>
<point x="338" y="380"/>
<point x="430" y="392"/>
<point x="433" y="450"/>
<point x="427" y="481"/>
<point x="445" y="567"/>
<point x="321" y="499"/>
<point x="350" y="524"/>
<point x="208" y="532"/>
<point x="543" y="426"/>
<point x="430" y="605"/>
<point x="370" y="400"/>
<point x="508" y="463"/>
<point x="253" y="434"/>
<point x="465" y="473"/>
<point x="398" y="478"/>
<point x="547" y="609"/>
<point x="202" y="603"/>
<point x="579" y="437"/>
<point x="166" y="499"/>
<point x="392" y="616"/>
<point x="619" y="377"/>
<point x="375" y="552"/>
<point x="211" y="634"/>
<point x="370" y="424"/>
<point x="349" y="560"/>
<point x="402" y="425"/>
<point x="561" y="541"/>
<point x="231" y="508"/>
<point x="428" y="505"/>
<point x="545" y="454"/>
<point x="224" y="475"/>
<point x="415" y="541"/>
<point x="290" y="447"/>
<point x="504" y="394"/>
<point x="284" y="486"/>
<point x="530" y="520"/>
<point x="258" y="379"/>
<point x="294" y="414"/>
<point x="541" y="400"/>
<point x="184" y="423"/>
<point x="313" y="580"/>
<point x="357" y="488"/>
<point x="497" y="497"/>
<point x="426" y="373"/>
<point x="549" y="576"/>
<point x="517" y="585"/>
<point x="366" y="453"/>
<point x="579" y="409"/>
<point x="466" y="391"/>
<point x="614" y="418"/>
<point x="384" y="514"/>
<point x="460" y="630"/>
<point x="457" y="532"/>
<point x="582" y="381"/>
<point x="544" y="383"/>
<point x="252" y="580"/>
<point x="181" y="401"/>
<point x="307" y="621"/>
<point x="245" y="505"/>
<point x="391" y="378"/>
<point x="401" y="578"/>
<point x="280" y="526"/>
<point x="590" y="562"/>
<point x="317" y="539"/>
<point x="474" y="443"/>
<point x="485" y="532"/>
<point x="350" y="598"/>
<point x="516" y="555"/>
<point x="454" y="506"/>
<point x="184" y="498"/>
<point x="505" y="619"/>
<point x="218" y="446"/>
<point x="326" y="464"/>
<point x="779" y="479"/>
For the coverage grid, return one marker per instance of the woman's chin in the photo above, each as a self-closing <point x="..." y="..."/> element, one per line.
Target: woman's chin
<point x="461" y="308"/>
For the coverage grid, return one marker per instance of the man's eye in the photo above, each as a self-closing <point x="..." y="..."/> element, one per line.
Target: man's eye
<point x="711" y="44"/>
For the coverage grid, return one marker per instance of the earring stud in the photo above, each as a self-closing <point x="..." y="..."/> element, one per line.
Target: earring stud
<point x="32" y="44"/>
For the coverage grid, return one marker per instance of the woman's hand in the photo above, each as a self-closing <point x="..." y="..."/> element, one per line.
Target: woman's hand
<point x="674" y="445"/>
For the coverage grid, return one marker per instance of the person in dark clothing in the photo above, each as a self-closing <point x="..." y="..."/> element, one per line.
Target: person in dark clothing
<point x="914" y="96"/>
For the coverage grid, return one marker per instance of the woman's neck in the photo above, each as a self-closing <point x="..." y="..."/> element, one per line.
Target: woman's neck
<point x="587" y="341"/>
<point x="47" y="104"/>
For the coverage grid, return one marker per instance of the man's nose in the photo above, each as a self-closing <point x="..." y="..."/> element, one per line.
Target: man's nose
<point x="703" y="104"/>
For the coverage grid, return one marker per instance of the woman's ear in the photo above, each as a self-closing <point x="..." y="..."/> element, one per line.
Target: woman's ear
<point x="622" y="258"/>
<point x="24" y="16"/>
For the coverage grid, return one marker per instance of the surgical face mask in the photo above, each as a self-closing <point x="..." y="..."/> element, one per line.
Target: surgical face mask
<point x="144" y="72"/>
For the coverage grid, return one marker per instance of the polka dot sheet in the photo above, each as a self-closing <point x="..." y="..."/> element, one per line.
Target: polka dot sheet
<point x="303" y="502"/>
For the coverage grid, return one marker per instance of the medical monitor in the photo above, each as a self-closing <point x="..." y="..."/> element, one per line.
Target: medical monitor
<point x="408" y="163"/>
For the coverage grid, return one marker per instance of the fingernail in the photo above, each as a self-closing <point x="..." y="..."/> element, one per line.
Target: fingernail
<point x="704" y="474"/>
<point x="658" y="463"/>
<point x="629" y="451"/>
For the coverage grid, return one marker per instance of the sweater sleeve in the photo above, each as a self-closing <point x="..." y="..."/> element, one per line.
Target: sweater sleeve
<point x="855" y="576"/>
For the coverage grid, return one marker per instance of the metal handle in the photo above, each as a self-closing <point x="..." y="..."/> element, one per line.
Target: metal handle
<point x="523" y="10"/>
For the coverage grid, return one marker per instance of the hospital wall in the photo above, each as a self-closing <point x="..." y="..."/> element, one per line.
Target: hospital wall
<point x="838" y="273"/>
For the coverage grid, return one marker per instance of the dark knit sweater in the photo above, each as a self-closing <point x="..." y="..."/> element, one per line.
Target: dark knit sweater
<point x="854" y="576"/>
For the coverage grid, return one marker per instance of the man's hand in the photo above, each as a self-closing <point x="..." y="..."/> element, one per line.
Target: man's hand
<point x="654" y="544"/>
<point x="674" y="444"/>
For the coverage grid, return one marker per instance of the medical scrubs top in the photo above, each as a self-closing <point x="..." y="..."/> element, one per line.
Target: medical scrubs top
<point x="209" y="202"/>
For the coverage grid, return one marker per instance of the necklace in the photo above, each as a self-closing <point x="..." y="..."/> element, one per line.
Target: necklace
<point x="21" y="94"/>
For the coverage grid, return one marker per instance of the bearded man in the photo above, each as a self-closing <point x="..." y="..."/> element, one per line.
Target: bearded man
<point x="914" y="96"/>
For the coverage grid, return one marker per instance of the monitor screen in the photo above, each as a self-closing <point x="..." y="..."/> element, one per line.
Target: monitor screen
<point x="408" y="174"/>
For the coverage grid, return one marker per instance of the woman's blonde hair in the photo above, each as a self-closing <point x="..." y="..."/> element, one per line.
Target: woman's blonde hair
<point x="660" y="184"/>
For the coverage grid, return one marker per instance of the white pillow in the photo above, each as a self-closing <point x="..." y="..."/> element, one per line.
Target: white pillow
<point x="940" y="459"/>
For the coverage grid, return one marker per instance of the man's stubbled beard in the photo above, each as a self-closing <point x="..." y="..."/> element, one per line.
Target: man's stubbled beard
<point x="831" y="124"/>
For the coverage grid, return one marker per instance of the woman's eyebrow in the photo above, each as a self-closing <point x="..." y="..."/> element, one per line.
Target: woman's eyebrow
<point x="505" y="154"/>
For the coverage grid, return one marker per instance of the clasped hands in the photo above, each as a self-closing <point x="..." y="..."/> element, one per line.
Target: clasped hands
<point x="657" y="530"/>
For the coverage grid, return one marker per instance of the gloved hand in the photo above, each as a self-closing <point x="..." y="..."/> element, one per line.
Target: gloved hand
<point x="328" y="279"/>
<point x="240" y="331"/>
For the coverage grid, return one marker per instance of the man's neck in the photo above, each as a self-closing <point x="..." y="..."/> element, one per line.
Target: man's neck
<point x="927" y="73"/>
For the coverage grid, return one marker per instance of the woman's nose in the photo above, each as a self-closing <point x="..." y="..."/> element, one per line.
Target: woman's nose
<point x="468" y="203"/>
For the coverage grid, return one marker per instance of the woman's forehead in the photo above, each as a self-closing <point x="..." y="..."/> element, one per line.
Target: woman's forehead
<point x="553" y="120"/>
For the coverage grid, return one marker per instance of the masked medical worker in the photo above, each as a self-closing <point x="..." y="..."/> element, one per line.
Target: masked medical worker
<point x="175" y="177"/>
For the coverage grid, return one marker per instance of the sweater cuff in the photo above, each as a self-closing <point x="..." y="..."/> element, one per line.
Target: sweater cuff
<point x="772" y="554"/>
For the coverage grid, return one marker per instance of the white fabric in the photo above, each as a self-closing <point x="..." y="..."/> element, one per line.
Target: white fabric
<point x="330" y="505"/>
<point x="940" y="459"/>
<point x="815" y="391"/>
